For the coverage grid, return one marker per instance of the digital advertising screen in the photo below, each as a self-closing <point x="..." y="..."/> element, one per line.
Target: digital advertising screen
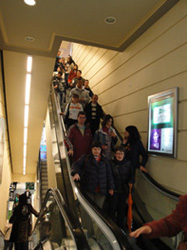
<point x="162" y="130"/>
<point x="43" y="154"/>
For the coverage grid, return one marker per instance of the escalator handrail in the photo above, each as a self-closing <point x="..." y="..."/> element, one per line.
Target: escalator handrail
<point x="116" y="237"/>
<point x="76" y="233"/>
<point x="118" y="233"/>
<point x="170" y="194"/>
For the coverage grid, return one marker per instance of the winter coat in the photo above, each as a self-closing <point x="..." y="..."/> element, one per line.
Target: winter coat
<point x="99" y="114"/>
<point x="89" y="91"/>
<point x="81" y="143"/>
<point x="71" y="75"/>
<point x="133" y="153"/>
<point x="75" y="80"/>
<point x="59" y="82"/>
<point x="123" y="175"/>
<point x="82" y="93"/>
<point x="103" y="137"/>
<point x="94" y="174"/>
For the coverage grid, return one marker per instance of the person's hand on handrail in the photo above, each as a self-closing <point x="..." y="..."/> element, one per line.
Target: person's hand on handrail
<point x="70" y="152"/>
<point x="76" y="177"/>
<point x="143" y="169"/>
<point x="141" y="230"/>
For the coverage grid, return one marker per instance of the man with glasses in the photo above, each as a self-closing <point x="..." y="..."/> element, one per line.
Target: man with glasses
<point x="80" y="137"/>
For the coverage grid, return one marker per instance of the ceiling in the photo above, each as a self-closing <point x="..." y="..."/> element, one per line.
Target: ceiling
<point x="50" y="22"/>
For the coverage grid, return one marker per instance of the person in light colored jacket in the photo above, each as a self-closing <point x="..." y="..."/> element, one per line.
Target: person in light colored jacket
<point x="106" y="135"/>
<point x="81" y="92"/>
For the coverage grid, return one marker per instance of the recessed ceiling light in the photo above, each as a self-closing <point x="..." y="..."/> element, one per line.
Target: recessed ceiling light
<point x="110" y="20"/>
<point x="29" y="39"/>
<point x="30" y="2"/>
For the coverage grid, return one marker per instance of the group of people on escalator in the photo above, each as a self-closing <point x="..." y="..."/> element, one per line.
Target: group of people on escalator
<point x="105" y="172"/>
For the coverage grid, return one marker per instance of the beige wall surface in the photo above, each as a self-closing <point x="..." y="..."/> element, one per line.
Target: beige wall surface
<point x="6" y="172"/>
<point x="155" y="62"/>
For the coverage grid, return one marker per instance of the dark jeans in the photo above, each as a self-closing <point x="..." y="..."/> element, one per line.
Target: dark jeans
<point x="21" y="246"/>
<point x="117" y="204"/>
<point x="69" y="122"/>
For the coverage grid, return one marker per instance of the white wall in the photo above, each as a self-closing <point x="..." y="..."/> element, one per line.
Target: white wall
<point x="155" y="62"/>
<point x="6" y="171"/>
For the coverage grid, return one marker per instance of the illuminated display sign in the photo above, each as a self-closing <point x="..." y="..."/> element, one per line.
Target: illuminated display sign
<point x="162" y="131"/>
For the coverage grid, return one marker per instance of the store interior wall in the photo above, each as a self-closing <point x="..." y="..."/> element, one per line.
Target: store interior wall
<point x="6" y="168"/>
<point x="123" y="80"/>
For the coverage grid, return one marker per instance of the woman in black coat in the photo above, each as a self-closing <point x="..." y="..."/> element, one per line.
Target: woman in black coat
<point x="134" y="148"/>
<point x="21" y="223"/>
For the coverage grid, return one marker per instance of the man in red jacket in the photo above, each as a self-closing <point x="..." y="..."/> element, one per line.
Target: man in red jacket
<point x="80" y="137"/>
<point x="169" y="226"/>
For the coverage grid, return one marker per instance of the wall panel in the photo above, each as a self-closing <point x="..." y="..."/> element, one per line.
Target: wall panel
<point x="95" y="57"/>
<point x="88" y="58"/>
<point x="6" y="171"/>
<point x="155" y="62"/>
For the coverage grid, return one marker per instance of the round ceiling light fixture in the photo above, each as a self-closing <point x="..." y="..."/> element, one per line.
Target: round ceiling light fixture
<point x="110" y="20"/>
<point x="30" y="2"/>
<point x="29" y="39"/>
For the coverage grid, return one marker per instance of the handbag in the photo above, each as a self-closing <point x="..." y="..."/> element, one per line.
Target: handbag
<point x="8" y="231"/>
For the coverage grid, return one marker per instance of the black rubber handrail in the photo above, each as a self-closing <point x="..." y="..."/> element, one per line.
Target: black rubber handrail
<point x="160" y="188"/>
<point x="119" y="234"/>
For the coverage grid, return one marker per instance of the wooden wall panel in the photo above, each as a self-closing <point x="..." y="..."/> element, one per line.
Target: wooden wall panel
<point x="155" y="62"/>
<point x="87" y="59"/>
<point x="95" y="58"/>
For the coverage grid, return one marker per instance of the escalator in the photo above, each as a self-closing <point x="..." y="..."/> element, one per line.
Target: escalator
<point x="152" y="201"/>
<point x="56" y="227"/>
<point x="97" y="230"/>
<point x="94" y="230"/>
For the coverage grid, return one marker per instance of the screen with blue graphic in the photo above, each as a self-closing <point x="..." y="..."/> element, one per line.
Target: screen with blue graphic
<point x="162" y="131"/>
